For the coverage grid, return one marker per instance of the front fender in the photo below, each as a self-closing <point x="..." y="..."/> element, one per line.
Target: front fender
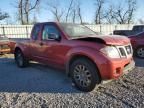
<point x="84" y="51"/>
<point x="91" y="53"/>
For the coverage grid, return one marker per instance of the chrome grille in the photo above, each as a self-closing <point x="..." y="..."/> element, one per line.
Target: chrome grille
<point x="122" y="51"/>
<point x="128" y="49"/>
<point x="125" y="51"/>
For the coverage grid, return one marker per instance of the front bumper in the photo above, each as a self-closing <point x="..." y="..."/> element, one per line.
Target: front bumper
<point x="123" y="67"/>
<point x="129" y="67"/>
<point x="113" y="69"/>
<point x="126" y="70"/>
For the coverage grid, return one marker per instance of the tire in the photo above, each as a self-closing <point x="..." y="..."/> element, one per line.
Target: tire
<point x="139" y="52"/>
<point x="20" y="60"/>
<point x="84" y="74"/>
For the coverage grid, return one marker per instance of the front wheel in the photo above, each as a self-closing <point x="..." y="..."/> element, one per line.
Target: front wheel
<point x="20" y="59"/>
<point x="84" y="74"/>
<point x="140" y="52"/>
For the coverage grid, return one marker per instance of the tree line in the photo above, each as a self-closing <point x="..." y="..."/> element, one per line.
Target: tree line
<point x="106" y="12"/>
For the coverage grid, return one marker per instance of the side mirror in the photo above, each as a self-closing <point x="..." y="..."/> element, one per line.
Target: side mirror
<point x="54" y="36"/>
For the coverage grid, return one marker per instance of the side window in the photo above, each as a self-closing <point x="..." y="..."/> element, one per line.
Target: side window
<point x="35" y="33"/>
<point x="49" y="29"/>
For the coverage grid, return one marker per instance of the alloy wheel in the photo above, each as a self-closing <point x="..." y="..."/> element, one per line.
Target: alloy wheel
<point x="82" y="75"/>
<point x="140" y="52"/>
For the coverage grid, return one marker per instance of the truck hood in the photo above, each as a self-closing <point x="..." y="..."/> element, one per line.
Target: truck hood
<point x="109" y="40"/>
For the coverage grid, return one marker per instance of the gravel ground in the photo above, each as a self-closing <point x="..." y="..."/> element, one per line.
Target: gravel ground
<point x="40" y="86"/>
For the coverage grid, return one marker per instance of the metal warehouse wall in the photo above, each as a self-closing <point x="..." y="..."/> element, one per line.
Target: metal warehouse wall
<point x="23" y="31"/>
<point x="108" y="29"/>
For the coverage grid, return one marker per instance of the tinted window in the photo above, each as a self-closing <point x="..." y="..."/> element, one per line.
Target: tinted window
<point x="138" y="28"/>
<point x="49" y="29"/>
<point x="35" y="33"/>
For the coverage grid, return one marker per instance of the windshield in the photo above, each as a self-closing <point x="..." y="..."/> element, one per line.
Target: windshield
<point x="75" y="30"/>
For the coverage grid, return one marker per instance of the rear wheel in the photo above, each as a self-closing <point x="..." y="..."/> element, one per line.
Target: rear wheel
<point x="20" y="59"/>
<point x="84" y="74"/>
<point x="140" y="52"/>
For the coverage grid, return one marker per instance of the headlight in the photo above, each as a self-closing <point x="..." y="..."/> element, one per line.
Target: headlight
<point x="110" y="51"/>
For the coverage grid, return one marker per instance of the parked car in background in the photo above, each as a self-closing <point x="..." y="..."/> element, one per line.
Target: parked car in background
<point x="88" y="58"/>
<point x="136" y="29"/>
<point x="4" y="45"/>
<point x="138" y="44"/>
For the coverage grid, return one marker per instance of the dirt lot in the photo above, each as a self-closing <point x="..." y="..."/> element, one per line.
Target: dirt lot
<point x="40" y="86"/>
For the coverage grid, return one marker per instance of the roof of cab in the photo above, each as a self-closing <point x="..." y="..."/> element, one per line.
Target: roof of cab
<point x="39" y="23"/>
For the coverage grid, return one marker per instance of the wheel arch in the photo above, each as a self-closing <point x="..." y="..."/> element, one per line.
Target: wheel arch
<point x="77" y="56"/>
<point x="22" y="48"/>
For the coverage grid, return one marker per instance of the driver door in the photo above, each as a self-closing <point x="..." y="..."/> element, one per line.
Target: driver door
<point x="49" y="45"/>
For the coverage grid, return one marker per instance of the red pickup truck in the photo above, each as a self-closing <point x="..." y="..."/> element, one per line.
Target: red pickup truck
<point x="86" y="57"/>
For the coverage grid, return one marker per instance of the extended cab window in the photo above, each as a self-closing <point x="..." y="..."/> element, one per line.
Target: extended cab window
<point x="49" y="29"/>
<point x="36" y="31"/>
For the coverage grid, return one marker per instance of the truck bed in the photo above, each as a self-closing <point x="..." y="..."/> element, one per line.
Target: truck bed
<point x="13" y="41"/>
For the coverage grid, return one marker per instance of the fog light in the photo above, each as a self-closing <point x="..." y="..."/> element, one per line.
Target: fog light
<point x="118" y="70"/>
